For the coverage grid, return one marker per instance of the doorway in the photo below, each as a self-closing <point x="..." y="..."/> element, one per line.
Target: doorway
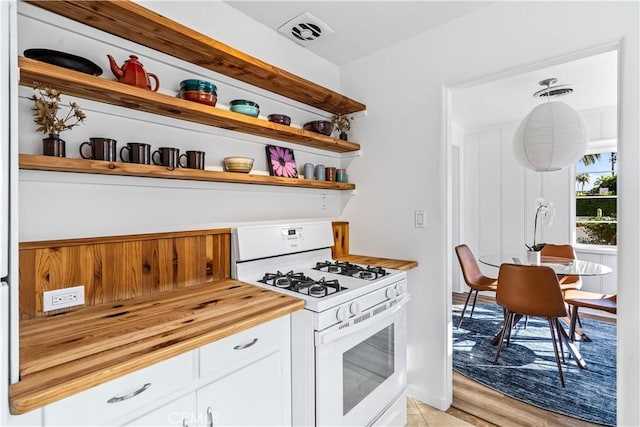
<point x="491" y="195"/>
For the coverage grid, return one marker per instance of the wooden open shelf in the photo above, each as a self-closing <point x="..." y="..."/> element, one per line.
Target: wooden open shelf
<point x="112" y="92"/>
<point x="65" y="164"/>
<point x="140" y="25"/>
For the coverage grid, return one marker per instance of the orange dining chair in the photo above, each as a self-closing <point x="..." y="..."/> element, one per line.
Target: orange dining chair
<point x="473" y="277"/>
<point x="531" y="291"/>
<point x="563" y="251"/>
<point x="577" y="299"/>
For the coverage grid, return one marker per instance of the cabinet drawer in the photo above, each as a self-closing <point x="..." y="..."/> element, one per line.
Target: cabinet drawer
<point x="106" y="402"/>
<point x="243" y="347"/>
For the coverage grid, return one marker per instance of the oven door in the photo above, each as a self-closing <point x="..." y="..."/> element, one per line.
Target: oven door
<point x="361" y="368"/>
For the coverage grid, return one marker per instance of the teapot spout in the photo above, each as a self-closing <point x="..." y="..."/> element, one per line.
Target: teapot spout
<point x="117" y="71"/>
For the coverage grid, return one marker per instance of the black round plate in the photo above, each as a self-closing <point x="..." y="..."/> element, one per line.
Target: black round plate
<point x="65" y="60"/>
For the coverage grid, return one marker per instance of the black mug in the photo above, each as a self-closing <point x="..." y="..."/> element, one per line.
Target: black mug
<point x="53" y="146"/>
<point x="194" y="159"/>
<point x="138" y="152"/>
<point x="167" y="156"/>
<point x="101" y="149"/>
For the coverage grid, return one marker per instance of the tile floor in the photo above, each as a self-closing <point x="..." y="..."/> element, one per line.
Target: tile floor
<point x="422" y="415"/>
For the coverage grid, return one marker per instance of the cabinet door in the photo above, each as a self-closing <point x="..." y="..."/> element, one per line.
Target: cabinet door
<point x="252" y="396"/>
<point x="180" y="412"/>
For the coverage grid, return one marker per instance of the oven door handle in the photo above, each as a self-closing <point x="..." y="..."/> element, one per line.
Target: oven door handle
<point x="340" y="330"/>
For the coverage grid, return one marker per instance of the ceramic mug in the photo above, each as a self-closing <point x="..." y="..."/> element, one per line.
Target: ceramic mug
<point x="320" y="175"/>
<point x="53" y="147"/>
<point x="330" y="174"/>
<point x="308" y="171"/>
<point x="101" y="149"/>
<point x="341" y="175"/>
<point x="166" y="156"/>
<point x="138" y="152"/>
<point x="194" y="159"/>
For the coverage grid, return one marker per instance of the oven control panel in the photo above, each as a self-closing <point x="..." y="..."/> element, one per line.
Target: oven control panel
<point x="366" y="305"/>
<point x="292" y="234"/>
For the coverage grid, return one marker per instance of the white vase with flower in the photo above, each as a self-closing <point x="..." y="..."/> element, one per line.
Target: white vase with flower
<point x="545" y="212"/>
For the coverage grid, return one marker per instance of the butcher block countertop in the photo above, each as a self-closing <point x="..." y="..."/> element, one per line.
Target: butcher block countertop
<point x="394" y="264"/>
<point x="72" y="352"/>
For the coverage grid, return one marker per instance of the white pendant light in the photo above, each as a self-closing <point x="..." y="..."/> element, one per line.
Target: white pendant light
<point x="552" y="136"/>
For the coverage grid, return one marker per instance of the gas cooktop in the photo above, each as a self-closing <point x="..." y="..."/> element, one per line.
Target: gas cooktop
<point x="301" y="283"/>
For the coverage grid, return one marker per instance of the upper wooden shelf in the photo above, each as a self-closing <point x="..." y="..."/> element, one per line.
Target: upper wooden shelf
<point x="112" y="92"/>
<point x="65" y="164"/>
<point x="140" y="25"/>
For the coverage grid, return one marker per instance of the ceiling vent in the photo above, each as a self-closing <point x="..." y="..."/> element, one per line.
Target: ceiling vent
<point x="552" y="91"/>
<point x="305" y="29"/>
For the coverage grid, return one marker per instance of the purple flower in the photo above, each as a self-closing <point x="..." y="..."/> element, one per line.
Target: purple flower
<point x="282" y="162"/>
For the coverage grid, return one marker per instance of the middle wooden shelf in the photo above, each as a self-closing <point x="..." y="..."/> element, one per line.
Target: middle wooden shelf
<point x="65" y="164"/>
<point x="99" y="89"/>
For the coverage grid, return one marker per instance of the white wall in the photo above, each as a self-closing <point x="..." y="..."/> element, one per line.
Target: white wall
<point x="64" y="205"/>
<point x="405" y="158"/>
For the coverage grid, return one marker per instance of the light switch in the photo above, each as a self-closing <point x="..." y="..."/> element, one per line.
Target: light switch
<point x="419" y="218"/>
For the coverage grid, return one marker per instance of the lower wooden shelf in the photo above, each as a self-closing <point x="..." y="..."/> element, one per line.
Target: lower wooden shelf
<point x="64" y="164"/>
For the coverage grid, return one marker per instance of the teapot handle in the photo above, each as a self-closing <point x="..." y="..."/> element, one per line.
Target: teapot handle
<point x="157" y="81"/>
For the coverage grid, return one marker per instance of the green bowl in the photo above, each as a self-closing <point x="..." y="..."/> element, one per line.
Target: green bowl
<point x="243" y="106"/>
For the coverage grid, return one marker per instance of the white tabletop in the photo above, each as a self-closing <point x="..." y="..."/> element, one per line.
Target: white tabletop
<point x="562" y="266"/>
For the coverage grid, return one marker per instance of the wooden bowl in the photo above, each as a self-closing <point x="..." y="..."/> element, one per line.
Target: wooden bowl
<point x="238" y="164"/>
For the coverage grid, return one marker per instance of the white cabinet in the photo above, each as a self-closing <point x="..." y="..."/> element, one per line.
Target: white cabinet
<point x="251" y="378"/>
<point x="252" y="396"/>
<point x="180" y="412"/>
<point x="114" y="400"/>
<point x="243" y="380"/>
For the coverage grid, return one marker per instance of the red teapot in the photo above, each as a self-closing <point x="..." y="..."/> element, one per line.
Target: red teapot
<point x="133" y="73"/>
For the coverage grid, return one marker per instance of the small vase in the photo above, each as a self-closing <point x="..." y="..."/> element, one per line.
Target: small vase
<point x="533" y="257"/>
<point x="343" y="136"/>
<point x="53" y="146"/>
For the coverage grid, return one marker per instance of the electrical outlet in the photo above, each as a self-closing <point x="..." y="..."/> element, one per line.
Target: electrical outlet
<point x="323" y="202"/>
<point x="63" y="298"/>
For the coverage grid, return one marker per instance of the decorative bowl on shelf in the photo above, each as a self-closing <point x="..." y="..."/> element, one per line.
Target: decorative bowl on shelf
<point x="243" y="106"/>
<point x="199" y="96"/>
<point x="280" y="119"/>
<point x="198" y="85"/>
<point x="238" y="164"/>
<point x="323" y="127"/>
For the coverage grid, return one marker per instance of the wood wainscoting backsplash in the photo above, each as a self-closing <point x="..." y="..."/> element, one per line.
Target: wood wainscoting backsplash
<point x="121" y="267"/>
<point x="340" y="239"/>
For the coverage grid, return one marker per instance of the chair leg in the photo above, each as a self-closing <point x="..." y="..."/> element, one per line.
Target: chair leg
<point x="572" y="324"/>
<point x="465" y="308"/>
<point x="506" y="326"/>
<point x="555" y="350"/>
<point x="473" y="306"/>
<point x="558" y="326"/>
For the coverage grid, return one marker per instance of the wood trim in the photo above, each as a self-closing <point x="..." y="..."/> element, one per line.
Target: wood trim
<point x="112" y="92"/>
<point x="140" y="25"/>
<point x="120" y="268"/>
<point x="66" y="164"/>
<point x="340" y="239"/>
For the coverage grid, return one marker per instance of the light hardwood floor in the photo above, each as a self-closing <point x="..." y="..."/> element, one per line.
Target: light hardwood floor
<point x="483" y="406"/>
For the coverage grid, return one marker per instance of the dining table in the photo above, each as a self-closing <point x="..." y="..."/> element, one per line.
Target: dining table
<point x="563" y="267"/>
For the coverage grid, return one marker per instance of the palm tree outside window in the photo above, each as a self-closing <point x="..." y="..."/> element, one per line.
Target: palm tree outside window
<point x="596" y="199"/>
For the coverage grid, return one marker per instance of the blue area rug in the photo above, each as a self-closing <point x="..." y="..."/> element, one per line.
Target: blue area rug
<point x="527" y="369"/>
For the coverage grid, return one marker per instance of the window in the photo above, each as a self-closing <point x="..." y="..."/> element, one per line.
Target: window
<point x="596" y="199"/>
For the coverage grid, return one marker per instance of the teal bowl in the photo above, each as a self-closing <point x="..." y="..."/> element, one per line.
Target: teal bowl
<point x="198" y="85"/>
<point x="243" y="106"/>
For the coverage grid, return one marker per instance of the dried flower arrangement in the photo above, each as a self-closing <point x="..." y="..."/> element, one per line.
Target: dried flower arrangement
<point x="342" y="122"/>
<point x="46" y="106"/>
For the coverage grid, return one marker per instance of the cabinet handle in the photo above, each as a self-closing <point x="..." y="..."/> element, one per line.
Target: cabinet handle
<point x="247" y="345"/>
<point x="209" y="417"/>
<point x="129" y="395"/>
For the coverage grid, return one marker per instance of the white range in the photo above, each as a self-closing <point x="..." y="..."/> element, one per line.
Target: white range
<point x="349" y="343"/>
